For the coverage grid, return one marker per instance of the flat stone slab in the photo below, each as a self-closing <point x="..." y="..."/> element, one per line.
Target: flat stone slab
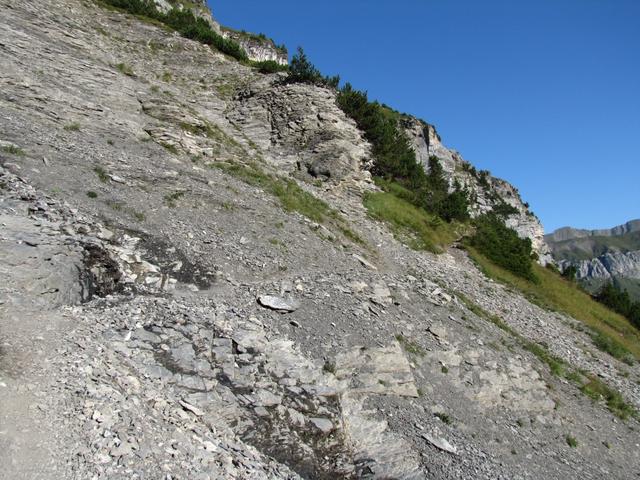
<point x="278" y="304"/>
<point x="383" y="371"/>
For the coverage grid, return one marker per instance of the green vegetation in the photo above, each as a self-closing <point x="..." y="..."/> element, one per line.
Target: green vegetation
<point x="412" y="225"/>
<point x="169" y="147"/>
<point x="588" y="384"/>
<point x="619" y="301"/>
<point x="612" y="332"/>
<point x="126" y="69"/>
<point x="92" y="194"/>
<point x="184" y="22"/>
<point x="301" y="70"/>
<point x="410" y="346"/>
<point x="395" y="159"/>
<point x="329" y="367"/>
<point x="503" y="246"/>
<point x="172" y="198"/>
<point x="572" y="442"/>
<point x="72" y="127"/>
<point x="122" y="207"/>
<point x="444" y="417"/>
<point x="612" y="347"/>
<point x="13" y="150"/>
<point x="598" y="390"/>
<point x="102" y="174"/>
<point x="270" y="66"/>
<point x="292" y="198"/>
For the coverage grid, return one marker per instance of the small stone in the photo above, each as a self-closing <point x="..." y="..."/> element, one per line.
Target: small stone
<point x="322" y="424"/>
<point x="278" y="303"/>
<point x="365" y="262"/>
<point x="440" y="443"/>
<point x="117" y="179"/>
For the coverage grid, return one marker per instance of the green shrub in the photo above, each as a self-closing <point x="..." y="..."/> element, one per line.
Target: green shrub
<point x="301" y="70"/>
<point x="435" y="196"/>
<point x="503" y="209"/>
<point x="270" y="66"/>
<point x="619" y="301"/>
<point x="72" y="127"/>
<point x="570" y="272"/>
<point x="13" y="150"/>
<point x="503" y="246"/>
<point x="126" y="69"/>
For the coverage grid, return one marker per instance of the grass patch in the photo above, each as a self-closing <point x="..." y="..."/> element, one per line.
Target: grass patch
<point x="122" y="207"/>
<point x="410" y="224"/>
<point x="292" y="198"/>
<point x="167" y="77"/>
<point x="170" y="148"/>
<point x="277" y="242"/>
<point x="172" y="198"/>
<point x="329" y="367"/>
<point x="410" y="346"/>
<point x="125" y="69"/>
<point x="102" y="174"/>
<point x="571" y="441"/>
<point x="72" y="127"/>
<point x="444" y="417"/>
<point x="13" y="150"/>
<point x="612" y="332"/>
<point x="598" y="390"/>
<point x="92" y="194"/>
<point x="612" y="347"/>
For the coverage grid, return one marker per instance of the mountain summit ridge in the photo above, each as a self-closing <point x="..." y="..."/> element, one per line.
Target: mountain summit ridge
<point x="569" y="233"/>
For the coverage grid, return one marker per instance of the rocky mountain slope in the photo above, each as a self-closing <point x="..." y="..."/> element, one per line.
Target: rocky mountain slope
<point x="166" y="313"/>
<point x="601" y="255"/>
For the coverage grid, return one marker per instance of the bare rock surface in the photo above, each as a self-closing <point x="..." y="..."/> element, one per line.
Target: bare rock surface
<point x="132" y="344"/>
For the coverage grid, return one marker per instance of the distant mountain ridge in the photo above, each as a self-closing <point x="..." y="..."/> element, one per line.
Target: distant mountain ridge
<point x="601" y="255"/>
<point x="570" y="233"/>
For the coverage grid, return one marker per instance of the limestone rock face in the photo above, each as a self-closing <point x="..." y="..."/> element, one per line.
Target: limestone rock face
<point x="300" y="128"/>
<point x="486" y="191"/>
<point x="258" y="48"/>
<point x="609" y="265"/>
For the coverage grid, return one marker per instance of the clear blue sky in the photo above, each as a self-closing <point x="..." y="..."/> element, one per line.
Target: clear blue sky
<point x="543" y="93"/>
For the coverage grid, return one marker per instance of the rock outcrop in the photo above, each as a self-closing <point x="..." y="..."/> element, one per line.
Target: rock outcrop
<point x="259" y="48"/>
<point x="301" y="130"/>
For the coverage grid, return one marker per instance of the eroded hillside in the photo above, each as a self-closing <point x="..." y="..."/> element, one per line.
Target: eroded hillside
<point x="192" y="287"/>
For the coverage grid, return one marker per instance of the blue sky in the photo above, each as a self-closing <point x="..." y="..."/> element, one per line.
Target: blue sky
<point x="543" y="93"/>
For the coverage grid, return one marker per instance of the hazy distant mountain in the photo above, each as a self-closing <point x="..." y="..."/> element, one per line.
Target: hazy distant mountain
<point x="601" y="255"/>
